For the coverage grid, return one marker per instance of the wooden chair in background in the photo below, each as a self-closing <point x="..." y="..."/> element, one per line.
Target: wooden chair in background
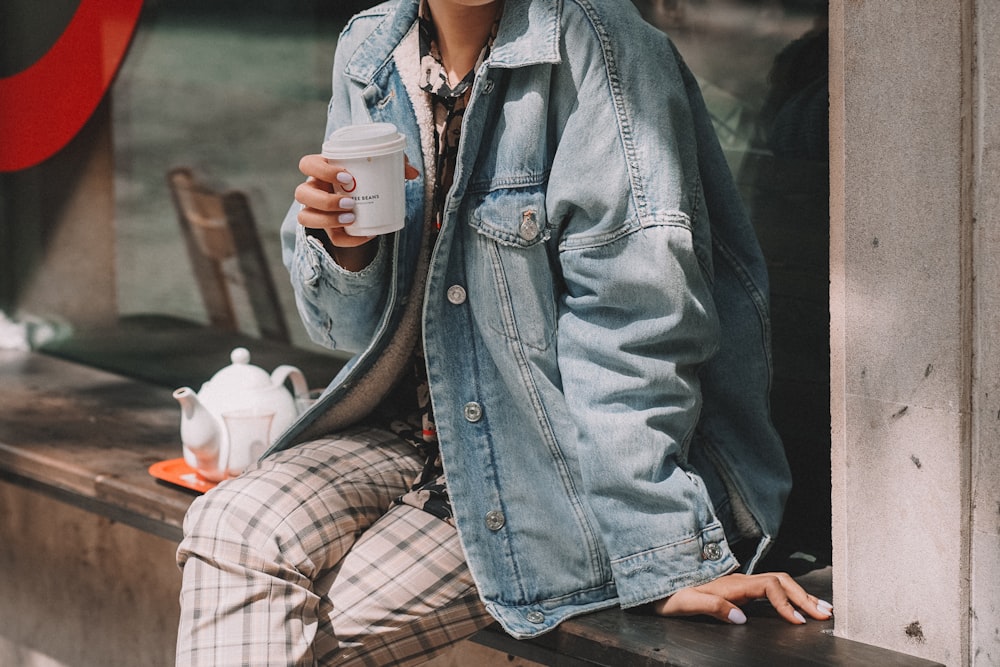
<point x="239" y="294"/>
<point x="226" y="256"/>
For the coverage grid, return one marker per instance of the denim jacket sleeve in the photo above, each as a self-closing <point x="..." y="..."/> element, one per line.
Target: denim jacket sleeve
<point x="339" y="308"/>
<point x="637" y="319"/>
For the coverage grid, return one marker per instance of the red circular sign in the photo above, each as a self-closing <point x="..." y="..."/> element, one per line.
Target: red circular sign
<point x="43" y="107"/>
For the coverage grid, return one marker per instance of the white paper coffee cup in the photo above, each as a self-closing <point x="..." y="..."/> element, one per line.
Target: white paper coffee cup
<point x="373" y="155"/>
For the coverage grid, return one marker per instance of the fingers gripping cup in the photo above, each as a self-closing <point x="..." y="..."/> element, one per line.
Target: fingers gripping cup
<point x="373" y="155"/>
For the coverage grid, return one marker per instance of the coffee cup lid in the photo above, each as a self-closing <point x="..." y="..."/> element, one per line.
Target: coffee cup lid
<point x="371" y="140"/>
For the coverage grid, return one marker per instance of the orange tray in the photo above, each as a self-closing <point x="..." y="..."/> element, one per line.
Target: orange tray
<point x="179" y="473"/>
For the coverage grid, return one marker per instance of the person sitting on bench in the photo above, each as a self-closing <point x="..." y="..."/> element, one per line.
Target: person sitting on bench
<point x="558" y="401"/>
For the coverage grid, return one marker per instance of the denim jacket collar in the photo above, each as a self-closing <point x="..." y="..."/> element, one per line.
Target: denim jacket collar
<point x="528" y="35"/>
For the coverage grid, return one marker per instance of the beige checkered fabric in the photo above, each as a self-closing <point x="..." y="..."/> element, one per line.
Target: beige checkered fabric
<point x="305" y="560"/>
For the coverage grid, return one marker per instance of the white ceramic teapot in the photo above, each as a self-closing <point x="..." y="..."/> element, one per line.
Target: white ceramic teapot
<point x="237" y="415"/>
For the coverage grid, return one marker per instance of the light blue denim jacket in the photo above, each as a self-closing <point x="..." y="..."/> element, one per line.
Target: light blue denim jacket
<point x="592" y="244"/>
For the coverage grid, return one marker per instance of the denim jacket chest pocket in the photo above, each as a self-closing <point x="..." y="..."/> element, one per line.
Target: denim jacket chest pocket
<point x="510" y="269"/>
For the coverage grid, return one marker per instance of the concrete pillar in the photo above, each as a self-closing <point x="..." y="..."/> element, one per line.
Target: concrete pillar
<point x="985" y="538"/>
<point x="915" y="326"/>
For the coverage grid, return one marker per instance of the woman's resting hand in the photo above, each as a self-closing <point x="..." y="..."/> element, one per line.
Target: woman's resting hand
<point x="721" y="598"/>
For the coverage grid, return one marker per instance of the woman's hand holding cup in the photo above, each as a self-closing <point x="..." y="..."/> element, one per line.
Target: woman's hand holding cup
<point x="322" y="206"/>
<point x="354" y="190"/>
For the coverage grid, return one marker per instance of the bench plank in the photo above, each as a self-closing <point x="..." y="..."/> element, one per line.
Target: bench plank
<point x="88" y="437"/>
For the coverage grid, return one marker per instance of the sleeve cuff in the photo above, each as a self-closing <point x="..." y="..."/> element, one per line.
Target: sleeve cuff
<point x="658" y="573"/>
<point x="315" y="266"/>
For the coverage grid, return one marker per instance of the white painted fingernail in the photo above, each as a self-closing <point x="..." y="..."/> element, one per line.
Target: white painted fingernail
<point x="346" y="202"/>
<point x="346" y="218"/>
<point x="824" y="607"/>
<point x="799" y="617"/>
<point x="345" y="177"/>
<point x="737" y="617"/>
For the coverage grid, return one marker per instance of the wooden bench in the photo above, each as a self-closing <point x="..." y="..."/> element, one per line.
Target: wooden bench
<point x="87" y="437"/>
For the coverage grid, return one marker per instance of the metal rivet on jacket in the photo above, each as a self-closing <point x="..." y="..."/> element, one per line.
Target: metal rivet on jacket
<point x="473" y="411"/>
<point x="712" y="551"/>
<point x="495" y="520"/>
<point x="456" y="295"/>
<point x="528" y="228"/>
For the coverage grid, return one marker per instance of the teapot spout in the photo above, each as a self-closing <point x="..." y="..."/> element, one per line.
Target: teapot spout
<point x="198" y="427"/>
<point x="188" y="400"/>
<point x="200" y="435"/>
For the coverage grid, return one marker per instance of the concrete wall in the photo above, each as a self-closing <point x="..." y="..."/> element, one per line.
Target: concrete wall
<point x="985" y="548"/>
<point x="914" y="316"/>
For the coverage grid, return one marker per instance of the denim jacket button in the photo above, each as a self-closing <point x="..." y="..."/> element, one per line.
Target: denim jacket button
<point x="535" y="617"/>
<point x="456" y="295"/>
<point x="495" y="520"/>
<point x="473" y="412"/>
<point x="712" y="551"/>
<point x="529" y="226"/>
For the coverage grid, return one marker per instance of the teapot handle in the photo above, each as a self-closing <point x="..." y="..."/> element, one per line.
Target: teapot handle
<point x="300" y="387"/>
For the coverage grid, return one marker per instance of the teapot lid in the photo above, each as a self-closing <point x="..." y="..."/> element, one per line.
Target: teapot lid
<point x="241" y="374"/>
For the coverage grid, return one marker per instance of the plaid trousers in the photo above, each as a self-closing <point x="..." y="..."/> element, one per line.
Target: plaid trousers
<point x="305" y="560"/>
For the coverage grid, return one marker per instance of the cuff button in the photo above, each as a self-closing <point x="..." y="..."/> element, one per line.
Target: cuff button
<point x="712" y="551"/>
